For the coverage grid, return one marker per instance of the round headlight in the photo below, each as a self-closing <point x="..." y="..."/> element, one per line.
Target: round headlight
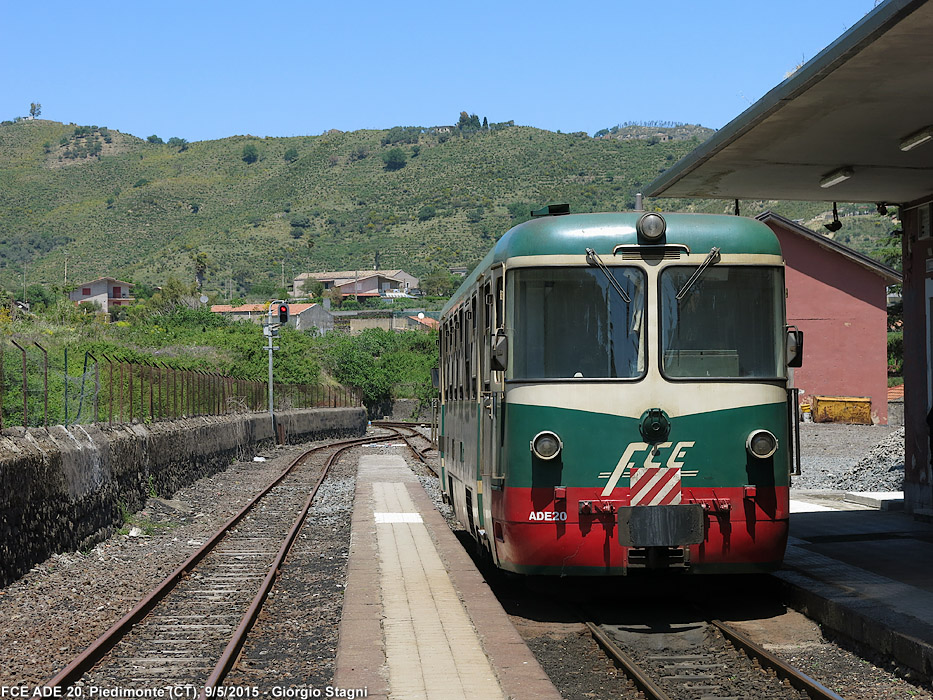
<point x="546" y="445"/>
<point x="651" y="226"/>
<point x="761" y="444"/>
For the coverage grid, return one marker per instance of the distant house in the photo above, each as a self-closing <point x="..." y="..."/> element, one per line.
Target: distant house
<point x="302" y="317"/>
<point x="838" y="298"/>
<point x="358" y="283"/>
<point x="106" y="291"/>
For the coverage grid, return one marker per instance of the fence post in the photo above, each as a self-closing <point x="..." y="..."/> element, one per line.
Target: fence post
<point x="25" y="386"/>
<point x="96" y="384"/>
<point x="109" y="389"/>
<point x="45" y="382"/>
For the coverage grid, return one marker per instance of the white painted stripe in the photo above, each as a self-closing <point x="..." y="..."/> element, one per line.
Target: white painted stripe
<point x="398" y="517"/>
<point x="627" y="399"/>
<point x="645" y="479"/>
<point x="804" y="507"/>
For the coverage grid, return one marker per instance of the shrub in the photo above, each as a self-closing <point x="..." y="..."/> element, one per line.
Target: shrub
<point x="250" y="153"/>
<point x="394" y="159"/>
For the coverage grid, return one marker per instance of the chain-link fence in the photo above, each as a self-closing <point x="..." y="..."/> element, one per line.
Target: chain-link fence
<point x="110" y="389"/>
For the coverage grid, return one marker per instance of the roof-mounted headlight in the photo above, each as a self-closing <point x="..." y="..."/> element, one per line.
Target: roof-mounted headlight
<point x="546" y="445"/>
<point x="761" y="444"/>
<point x="651" y="227"/>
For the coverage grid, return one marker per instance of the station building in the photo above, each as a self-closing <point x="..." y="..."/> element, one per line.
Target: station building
<point x="853" y="124"/>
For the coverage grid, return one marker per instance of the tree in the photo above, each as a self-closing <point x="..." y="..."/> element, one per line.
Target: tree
<point x="438" y="283"/>
<point x="291" y="155"/>
<point x="313" y="288"/>
<point x="394" y="159"/>
<point x="155" y="139"/>
<point x="250" y="153"/>
<point x="179" y="143"/>
<point x="201" y="263"/>
<point x="35" y="109"/>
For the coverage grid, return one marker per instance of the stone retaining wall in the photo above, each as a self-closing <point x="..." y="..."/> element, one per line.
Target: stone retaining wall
<point x="66" y="489"/>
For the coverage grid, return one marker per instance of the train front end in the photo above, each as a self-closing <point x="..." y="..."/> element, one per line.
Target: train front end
<point x="643" y="419"/>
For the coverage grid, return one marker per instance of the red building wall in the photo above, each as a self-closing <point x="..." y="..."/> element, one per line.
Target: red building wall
<point x="841" y="306"/>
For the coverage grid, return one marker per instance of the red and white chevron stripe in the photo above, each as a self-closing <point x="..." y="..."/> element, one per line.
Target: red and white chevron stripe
<point x="655" y="486"/>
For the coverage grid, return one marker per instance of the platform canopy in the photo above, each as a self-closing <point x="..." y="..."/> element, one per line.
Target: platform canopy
<point x="846" y="116"/>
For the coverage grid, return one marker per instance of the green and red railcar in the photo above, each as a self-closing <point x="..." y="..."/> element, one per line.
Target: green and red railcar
<point x="614" y="393"/>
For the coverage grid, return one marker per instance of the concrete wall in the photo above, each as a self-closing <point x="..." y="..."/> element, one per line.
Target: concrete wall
<point x="64" y="489"/>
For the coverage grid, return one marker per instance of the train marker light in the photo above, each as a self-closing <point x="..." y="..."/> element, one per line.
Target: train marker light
<point x="283" y="313"/>
<point x="651" y="227"/>
<point x="546" y="445"/>
<point x="761" y="444"/>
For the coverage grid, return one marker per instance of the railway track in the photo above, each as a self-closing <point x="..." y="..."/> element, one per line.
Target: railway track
<point x="702" y="660"/>
<point x="413" y="434"/>
<point x="189" y="630"/>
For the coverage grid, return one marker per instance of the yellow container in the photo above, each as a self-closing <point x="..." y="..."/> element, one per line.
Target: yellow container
<point x="841" y="409"/>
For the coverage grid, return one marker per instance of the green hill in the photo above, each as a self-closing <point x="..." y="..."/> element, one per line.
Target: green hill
<point x="412" y="198"/>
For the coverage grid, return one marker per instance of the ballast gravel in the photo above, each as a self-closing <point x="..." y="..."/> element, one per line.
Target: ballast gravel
<point x="850" y="457"/>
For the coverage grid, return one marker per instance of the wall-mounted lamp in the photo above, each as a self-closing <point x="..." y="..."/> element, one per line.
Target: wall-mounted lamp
<point x="881" y="208"/>
<point x="917" y="138"/>
<point x="836" y="176"/>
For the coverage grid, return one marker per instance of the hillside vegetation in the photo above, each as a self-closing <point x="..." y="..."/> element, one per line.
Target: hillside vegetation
<point x="260" y="210"/>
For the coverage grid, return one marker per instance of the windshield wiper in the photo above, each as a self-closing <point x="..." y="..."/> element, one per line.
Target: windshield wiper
<point x="593" y="259"/>
<point x="712" y="258"/>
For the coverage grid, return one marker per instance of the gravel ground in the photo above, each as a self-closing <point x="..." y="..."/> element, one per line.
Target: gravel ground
<point x="850" y="457"/>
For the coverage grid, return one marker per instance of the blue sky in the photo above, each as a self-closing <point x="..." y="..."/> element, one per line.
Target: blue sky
<point x="206" y="70"/>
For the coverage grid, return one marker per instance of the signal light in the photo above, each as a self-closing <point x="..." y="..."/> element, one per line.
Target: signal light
<point x="283" y="313"/>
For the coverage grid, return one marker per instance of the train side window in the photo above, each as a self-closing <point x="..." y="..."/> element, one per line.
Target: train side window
<point x="468" y="353"/>
<point x="486" y="334"/>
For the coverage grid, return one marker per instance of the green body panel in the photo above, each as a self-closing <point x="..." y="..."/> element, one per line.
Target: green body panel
<point x="593" y="444"/>
<point x="573" y="233"/>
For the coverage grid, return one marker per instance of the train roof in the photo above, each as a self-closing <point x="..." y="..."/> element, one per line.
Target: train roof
<point x="572" y="234"/>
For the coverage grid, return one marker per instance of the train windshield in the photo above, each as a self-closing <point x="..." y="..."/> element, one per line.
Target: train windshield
<point x="569" y="322"/>
<point x="729" y="324"/>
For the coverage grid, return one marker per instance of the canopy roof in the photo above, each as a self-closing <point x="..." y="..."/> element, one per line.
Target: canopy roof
<point x="849" y="108"/>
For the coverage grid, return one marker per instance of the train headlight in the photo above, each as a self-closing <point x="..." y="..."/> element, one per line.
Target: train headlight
<point x="761" y="444"/>
<point x="546" y="445"/>
<point x="651" y="227"/>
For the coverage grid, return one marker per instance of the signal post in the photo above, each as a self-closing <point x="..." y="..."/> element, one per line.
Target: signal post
<point x="271" y="330"/>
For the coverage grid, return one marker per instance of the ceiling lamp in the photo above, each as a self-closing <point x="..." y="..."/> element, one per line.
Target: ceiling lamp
<point x="917" y="138"/>
<point x="836" y="176"/>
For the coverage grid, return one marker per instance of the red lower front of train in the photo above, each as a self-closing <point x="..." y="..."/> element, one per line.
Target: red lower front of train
<point x="576" y="532"/>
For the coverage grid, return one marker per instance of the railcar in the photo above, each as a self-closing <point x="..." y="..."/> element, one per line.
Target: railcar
<point x="614" y="396"/>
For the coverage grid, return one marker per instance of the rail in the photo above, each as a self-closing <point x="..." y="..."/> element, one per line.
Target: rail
<point x="91" y="656"/>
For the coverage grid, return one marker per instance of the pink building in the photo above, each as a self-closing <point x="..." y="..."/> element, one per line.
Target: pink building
<point x="838" y="298"/>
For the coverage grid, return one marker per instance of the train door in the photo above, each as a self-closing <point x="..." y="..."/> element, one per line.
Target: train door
<point x="491" y="392"/>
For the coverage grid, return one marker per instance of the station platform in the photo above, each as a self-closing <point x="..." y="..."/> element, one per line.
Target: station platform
<point x="418" y="619"/>
<point x="860" y="566"/>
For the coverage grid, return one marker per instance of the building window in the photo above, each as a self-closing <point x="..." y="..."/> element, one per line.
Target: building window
<point x="86" y="291"/>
